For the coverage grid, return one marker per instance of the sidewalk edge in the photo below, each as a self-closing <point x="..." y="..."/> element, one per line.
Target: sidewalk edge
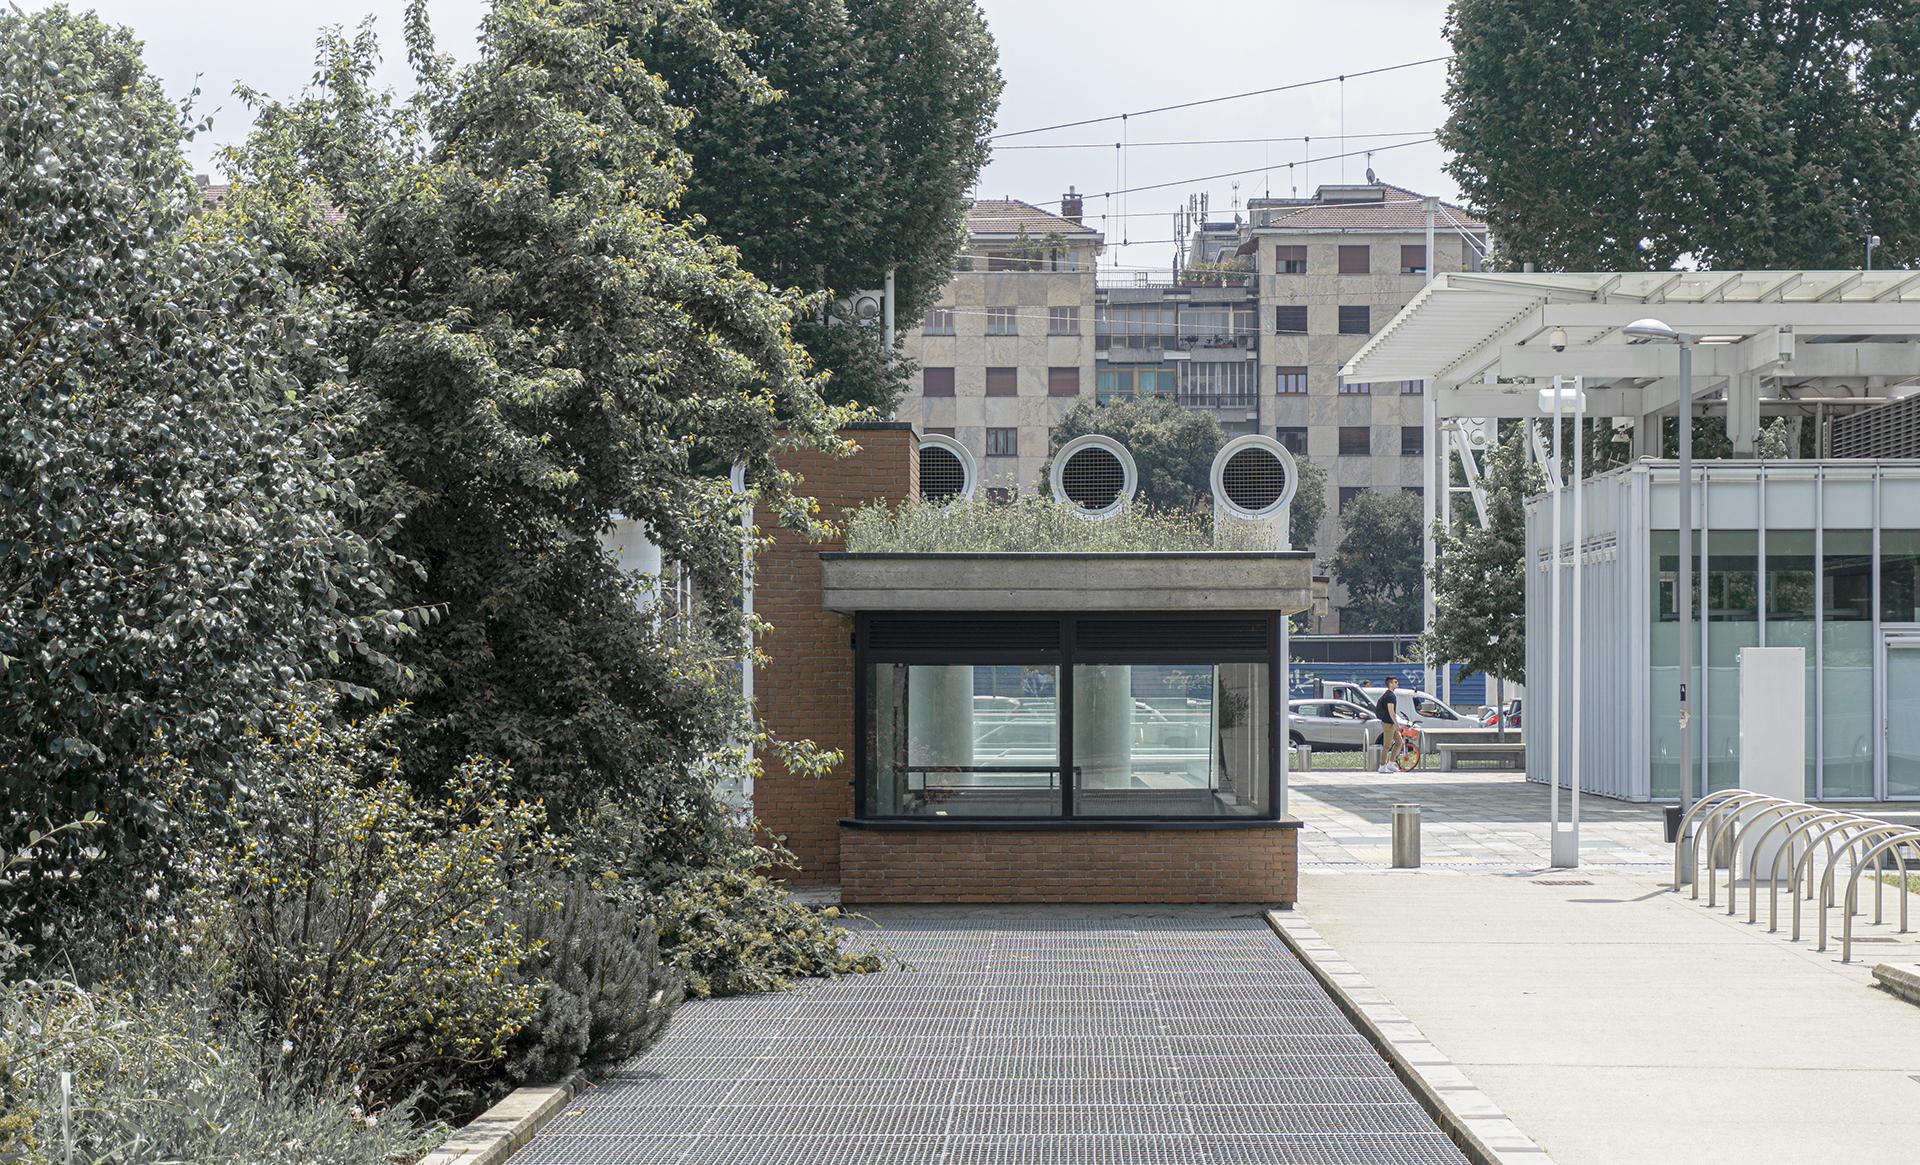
<point x="1474" y="1122"/>
<point x="499" y="1132"/>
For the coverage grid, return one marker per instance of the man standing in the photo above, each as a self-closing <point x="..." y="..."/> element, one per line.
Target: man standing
<point x="1387" y="708"/>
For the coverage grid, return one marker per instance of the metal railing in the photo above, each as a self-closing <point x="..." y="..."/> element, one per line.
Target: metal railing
<point x="1736" y="821"/>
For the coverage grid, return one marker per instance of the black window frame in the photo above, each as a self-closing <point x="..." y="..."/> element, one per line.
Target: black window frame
<point x="1347" y="319"/>
<point x="1063" y="658"/>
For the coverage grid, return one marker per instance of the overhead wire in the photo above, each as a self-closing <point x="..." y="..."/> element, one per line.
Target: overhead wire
<point x="1339" y="77"/>
<point x="1251" y="170"/>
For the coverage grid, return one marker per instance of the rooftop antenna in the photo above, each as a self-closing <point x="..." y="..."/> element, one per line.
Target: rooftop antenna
<point x="1371" y="180"/>
<point x="1343" y="128"/>
<point x="1236" y="200"/>
<point x="1306" y="158"/>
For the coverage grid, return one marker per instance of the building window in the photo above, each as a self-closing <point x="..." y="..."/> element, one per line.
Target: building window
<point x="936" y="382"/>
<point x="1003" y="382"/>
<point x="1291" y="319"/>
<point x="1356" y="259"/>
<point x="1003" y="442"/>
<point x="1416" y="491"/>
<point x="1132" y="381"/>
<point x="1171" y="719"/>
<point x="1355" y="388"/>
<point x="1000" y="321"/>
<point x="1413" y="259"/>
<point x="939" y="322"/>
<point x="1218" y="383"/>
<point x="1348" y="493"/>
<point x="1063" y="321"/>
<point x="1413" y="440"/>
<point x="1135" y="325"/>
<point x="1293" y="438"/>
<point x="1355" y="440"/>
<point x="1063" y="382"/>
<point x="1290" y="381"/>
<point x="1000" y="495"/>
<point x="1289" y="260"/>
<point x="1354" y="321"/>
<point x="1412" y="387"/>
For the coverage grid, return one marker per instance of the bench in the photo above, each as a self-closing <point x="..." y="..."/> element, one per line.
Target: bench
<point x="1512" y="754"/>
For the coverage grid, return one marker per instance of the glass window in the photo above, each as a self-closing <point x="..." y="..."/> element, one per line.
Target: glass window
<point x="1846" y="598"/>
<point x="1217" y="383"/>
<point x="1899" y="572"/>
<point x="961" y="741"/>
<point x="1003" y="442"/>
<point x="1063" y="382"/>
<point x="1354" y="440"/>
<point x="1134" y="325"/>
<point x="1129" y="381"/>
<point x="1413" y="259"/>
<point x="1001" y="321"/>
<point x="1290" y="260"/>
<point x="936" y="382"/>
<point x="1348" y="493"/>
<point x="939" y="322"/>
<point x="1003" y="382"/>
<point x="1412" y="387"/>
<point x="1063" y="321"/>
<point x="1733" y="622"/>
<point x="1290" y="381"/>
<point x="1413" y="440"/>
<point x="1790" y="614"/>
<point x="1664" y="664"/>
<point x="1290" y="319"/>
<point x="1171" y="740"/>
<point x="1354" y="320"/>
<point x="1293" y="438"/>
<point x="1355" y="259"/>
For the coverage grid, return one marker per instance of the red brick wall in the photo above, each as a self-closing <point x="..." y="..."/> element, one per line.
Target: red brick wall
<point x="1079" y="865"/>
<point x="805" y="691"/>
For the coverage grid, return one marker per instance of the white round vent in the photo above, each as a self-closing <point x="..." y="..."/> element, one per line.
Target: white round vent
<point x="947" y="471"/>
<point x="1253" y="477"/>
<point x="1095" y="475"/>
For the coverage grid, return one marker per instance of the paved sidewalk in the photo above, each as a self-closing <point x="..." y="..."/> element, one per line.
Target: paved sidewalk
<point x="1472" y="821"/>
<point x="1618" y="1023"/>
<point x="1020" y="1036"/>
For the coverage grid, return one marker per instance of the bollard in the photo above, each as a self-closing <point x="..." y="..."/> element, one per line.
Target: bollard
<point x="1370" y="757"/>
<point x="1305" y="754"/>
<point x="1406" y="837"/>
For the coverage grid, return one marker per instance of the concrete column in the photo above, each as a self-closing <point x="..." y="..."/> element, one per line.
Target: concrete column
<point x="1103" y="726"/>
<point x="940" y="721"/>
<point x="1646" y="436"/>
<point x="1743" y="413"/>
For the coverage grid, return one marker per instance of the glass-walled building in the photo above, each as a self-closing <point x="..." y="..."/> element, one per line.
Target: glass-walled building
<point x="1818" y="555"/>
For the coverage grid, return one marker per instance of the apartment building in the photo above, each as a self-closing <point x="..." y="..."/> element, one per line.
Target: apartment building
<point x="1009" y="347"/>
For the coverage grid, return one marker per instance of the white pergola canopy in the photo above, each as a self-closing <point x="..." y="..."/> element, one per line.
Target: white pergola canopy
<point x="1769" y="341"/>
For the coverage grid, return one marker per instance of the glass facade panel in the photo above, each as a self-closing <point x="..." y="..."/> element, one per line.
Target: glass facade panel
<point x="1903" y="722"/>
<point x="1664" y="656"/>
<point x="1790" y="616"/>
<point x="935" y="748"/>
<point x="1733" y="622"/>
<point x="1171" y="740"/>
<point x="1847" y="720"/>
<point x="1899" y="574"/>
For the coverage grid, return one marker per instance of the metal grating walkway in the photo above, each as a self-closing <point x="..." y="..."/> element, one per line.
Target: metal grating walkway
<point x="1017" y="1038"/>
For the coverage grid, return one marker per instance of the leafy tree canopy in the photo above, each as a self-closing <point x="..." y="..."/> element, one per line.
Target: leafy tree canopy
<point x="546" y="344"/>
<point x="859" y="159"/>
<point x="1615" y="134"/>
<point x="1379" y="564"/>
<point x="170" y="551"/>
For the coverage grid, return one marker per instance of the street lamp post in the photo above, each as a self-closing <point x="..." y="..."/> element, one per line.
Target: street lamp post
<point x="1651" y="329"/>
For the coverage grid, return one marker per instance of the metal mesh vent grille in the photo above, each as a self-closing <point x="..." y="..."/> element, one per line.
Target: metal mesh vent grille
<point x="1200" y="636"/>
<point x="963" y="635"/>
<point x="1888" y="431"/>
<point x="1253" y="479"/>
<point x="942" y="477"/>
<point x="1093" y="478"/>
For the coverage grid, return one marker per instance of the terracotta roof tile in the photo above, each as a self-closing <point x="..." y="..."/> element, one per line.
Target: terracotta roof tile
<point x="1005" y="216"/>
<point x="1401" y="210"/>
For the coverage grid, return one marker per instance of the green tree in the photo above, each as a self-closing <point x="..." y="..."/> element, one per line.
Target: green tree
<point x="1173" y="446"/>
<point x="1309" y="505"/>
<point x="861" y="159"/>
<point x="546" y="344"/>
<point x="1480" y="616"/>
<point x="1617" y="134"/>
<point x="170" y="555"/>
<point x="1379" y="563"/>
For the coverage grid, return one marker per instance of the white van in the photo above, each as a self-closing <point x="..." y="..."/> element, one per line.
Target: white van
<point x="1420" y="709"/>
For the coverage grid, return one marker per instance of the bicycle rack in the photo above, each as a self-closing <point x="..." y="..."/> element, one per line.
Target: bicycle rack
<point x="1741" y="827"/>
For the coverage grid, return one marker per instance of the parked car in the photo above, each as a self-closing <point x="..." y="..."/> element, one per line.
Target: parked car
<point x="1331" y="724"/>
<point x="1510" y="718"/>
<point x="1421" y="709"/>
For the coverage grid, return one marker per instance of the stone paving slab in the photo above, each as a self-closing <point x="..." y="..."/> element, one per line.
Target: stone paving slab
<point x="1019" y="1037"/>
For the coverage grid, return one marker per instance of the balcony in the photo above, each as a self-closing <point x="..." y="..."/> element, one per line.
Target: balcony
<point x="1243" y="341"/>
<point x="1219" y="400"/>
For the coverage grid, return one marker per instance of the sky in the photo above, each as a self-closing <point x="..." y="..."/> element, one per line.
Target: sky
<point x="1064" y="60"/>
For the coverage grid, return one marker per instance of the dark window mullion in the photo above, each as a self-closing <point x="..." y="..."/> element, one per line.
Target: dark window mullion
<point x="1064" y="687"/>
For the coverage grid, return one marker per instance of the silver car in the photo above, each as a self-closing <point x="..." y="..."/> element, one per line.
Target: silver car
<point x="1331" y="724"/>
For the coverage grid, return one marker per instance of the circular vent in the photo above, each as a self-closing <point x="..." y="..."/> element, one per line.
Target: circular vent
<point x="1094" y="474"/>
<point x="946" y="471"/>
<point x="1253" y="477"/>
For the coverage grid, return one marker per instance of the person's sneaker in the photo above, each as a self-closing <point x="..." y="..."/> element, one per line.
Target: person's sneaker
<point x="1388" y="770"/>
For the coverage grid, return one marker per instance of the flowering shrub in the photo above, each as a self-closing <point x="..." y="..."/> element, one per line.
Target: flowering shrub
<point x="160" y="1079"/>
<point x="370" y="932"/>
<point x="1031" y="524"/>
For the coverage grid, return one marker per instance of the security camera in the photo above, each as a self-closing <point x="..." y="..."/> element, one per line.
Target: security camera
<point x="1558" y="341"/>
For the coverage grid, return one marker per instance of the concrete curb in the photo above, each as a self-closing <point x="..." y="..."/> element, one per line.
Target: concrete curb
<point x="1469" y="1117"/>
<point x="1901" y="980"/>
<point x="502" y="1130"/>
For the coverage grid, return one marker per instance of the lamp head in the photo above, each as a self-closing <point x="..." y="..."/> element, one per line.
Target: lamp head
<point x="1651" y="329"/>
